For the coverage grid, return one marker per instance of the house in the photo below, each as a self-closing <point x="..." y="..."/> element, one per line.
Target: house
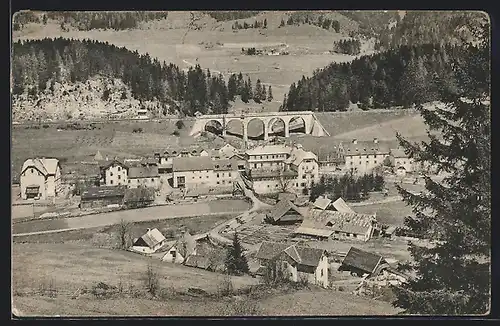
<point x="364" y="156"/>
<point x="40" y="178"/>
<point x="144" y="176"/>
<point x="341" y="206"/>
<point x="285" y="212"/>
<point x="150" y="242"/>
<point x="114" y="173"/>
<point x="103" y="196"/>
<point x="183" y="248"/>
<point x="362" y="262"/>
<point x="325" y="224"/>
<point x="401" y="162"/>
<point x="297" y="262"/>
<point x="322" y="203"/>
<point x="190" y="172"/>
<point x="281" y="168"/>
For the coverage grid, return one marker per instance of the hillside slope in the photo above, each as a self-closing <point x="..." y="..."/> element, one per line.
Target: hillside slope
<point x="96" y="98"/>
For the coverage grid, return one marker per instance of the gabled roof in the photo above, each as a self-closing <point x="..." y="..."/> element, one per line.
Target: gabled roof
<point x="107" y="164"/>
<point x="153" y="237"/>
<point x="317" y="232"/>
<point x="322" y="202"/>
<point x="202" y="262"/>
<point x="46" y="166"/>
<point x="103" y="192"/>
<point x="354" y="223"/>
<point x="269" y="250"/>
<point x="298" y="155"/>
<point x="281" y="208"/>
<point x="362" y="260"/>
<point x="143" y="172"/>
<point x="198" y="163"/>
<point x="302" y="255"/>
<point x="364" y="147"/>
<point x="341" y="206"/>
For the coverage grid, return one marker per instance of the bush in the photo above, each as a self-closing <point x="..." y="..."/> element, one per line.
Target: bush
<point x="103" y="291"/>
<point x="137" y="130"/>
<point x="151" y="280"/>
<point x="176" y="133"/>
<point x="341" y="288"/>
<point x="45" y="126"/>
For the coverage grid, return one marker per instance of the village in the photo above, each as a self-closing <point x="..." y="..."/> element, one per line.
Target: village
<point x="290" y="231"/>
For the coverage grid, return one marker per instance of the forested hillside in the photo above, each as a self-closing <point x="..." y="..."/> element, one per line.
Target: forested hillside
<point x="87" y="20"/>
<point x="38" y="64"/>
<point x="231" y="15"/>
<point x="398" y="77"/>
<point x="435" y="27"/>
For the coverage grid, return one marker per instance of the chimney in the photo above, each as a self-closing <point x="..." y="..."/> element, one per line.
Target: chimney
<point x="375" y="140"/>
<point x="354" y="141"/>
<point x="149" y="230"/>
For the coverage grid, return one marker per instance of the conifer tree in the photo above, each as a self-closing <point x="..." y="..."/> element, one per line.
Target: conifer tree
<point x="454" y="215"/>
<point x="269" y="94"/>
<point x="236" y="263"/>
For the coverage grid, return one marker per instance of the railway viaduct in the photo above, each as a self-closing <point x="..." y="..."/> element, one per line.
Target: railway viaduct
<point x="290" y="120"/>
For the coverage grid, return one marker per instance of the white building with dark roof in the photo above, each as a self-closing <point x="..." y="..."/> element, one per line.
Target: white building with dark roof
<point x="150" y="242"/>
<point x="40" y="178"/>
<point x="281" y="168"/>
<point x="297" y="262"/>
<point x="143" y="176"/>
<point x="363" y="156"/>
<point x="401" y="161"/>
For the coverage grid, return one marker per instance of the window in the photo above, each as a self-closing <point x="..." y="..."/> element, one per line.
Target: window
<point x="321" y="272"/>
<point x="111" y="182"/>
<point x="303" y="176"/>
<point x="110" y="174"/>
<point x="375" y="161"/>
<point x="192" y="178"/>
<point x="222" y="174"/>
<point x="229" y="174"/>
<point x="119" y="177"/>
<point x="173" y="253"/>
<point x="31" y="170"/>
<point x="119" y="169"/>
<point x="218" y="182"/>
<point x="255" y="165"/>
<point x="200" y="177"/>
<point x="218" y="175"/>
<point x="207" y="176"/>
<point x="216" y="166"/>
<point x="367" y="162"/>
<point x="129" y="181"/>
<point x="268" y="186"/>
<point x="303" y="184"/>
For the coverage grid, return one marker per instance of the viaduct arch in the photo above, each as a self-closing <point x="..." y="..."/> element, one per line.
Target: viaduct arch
<point x="289" y="120"/>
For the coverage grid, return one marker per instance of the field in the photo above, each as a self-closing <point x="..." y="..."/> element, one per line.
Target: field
<point x="169" y="228"/>
<point x="392" y="213"/>
<point x="76" y="265"/>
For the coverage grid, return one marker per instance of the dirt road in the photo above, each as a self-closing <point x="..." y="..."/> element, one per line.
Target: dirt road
<point x="134" y="215"/>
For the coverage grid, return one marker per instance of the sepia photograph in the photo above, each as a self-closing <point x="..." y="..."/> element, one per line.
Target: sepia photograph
<point x="227" y="164"/>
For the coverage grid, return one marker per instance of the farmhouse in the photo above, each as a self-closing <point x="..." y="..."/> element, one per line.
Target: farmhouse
<point x="297" y="263"/>
<point x="40" y="178"/>
<point x="338" y="225"/>
<point x="114" y="173"/>
<point x="103" y="196"/>
<point x="285" y="212"/>
<point x="363" y="156"/>
<point x="149" y="243"/>
<point x="363" y="263"/>
<point x="143" y="176"/>
<point x="183" y="248"/>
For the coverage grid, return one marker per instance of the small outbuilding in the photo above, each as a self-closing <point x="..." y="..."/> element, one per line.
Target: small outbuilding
<point x="95" y="197"/>
<point x="150" y="242"/>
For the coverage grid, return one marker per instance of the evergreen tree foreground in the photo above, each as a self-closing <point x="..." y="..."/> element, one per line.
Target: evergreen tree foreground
<point x="236" y="263"/>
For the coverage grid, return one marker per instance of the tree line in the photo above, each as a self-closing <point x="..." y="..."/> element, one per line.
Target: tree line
<point x="347" y="186"/>
<point x="231" y="15"/>
<point x="245" y="25"/>
<point x="88" y="20"/>
<point x="397" y="77"/>
<point x="38" y="64"/>
<point x="298" y="18"/>
<point x="351" y="46"/>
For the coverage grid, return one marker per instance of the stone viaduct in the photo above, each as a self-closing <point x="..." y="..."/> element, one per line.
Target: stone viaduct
<point x="290" y="120"/>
